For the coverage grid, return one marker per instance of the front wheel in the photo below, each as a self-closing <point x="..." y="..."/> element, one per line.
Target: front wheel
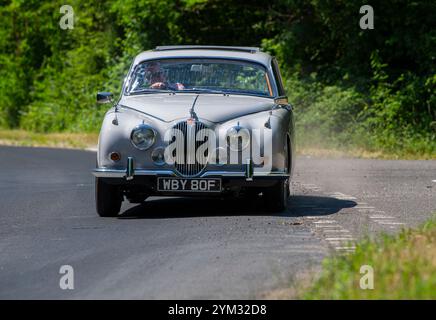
<point x="108" y="199"/>
<point x="276" y="197"/>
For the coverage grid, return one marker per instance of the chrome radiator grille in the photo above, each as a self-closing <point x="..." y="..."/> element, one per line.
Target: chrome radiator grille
<point x="186" y="162"/>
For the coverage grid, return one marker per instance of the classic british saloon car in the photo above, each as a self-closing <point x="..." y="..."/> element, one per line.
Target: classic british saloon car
<point x="196" y="121"/>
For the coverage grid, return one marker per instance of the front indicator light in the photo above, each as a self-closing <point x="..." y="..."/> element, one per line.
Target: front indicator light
<point x="115" y="156"/>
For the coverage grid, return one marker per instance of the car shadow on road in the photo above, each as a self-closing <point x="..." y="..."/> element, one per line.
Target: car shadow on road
<point x="298" y="206"/>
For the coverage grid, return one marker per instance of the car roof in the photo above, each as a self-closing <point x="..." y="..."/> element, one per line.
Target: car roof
<point x="226" y="52"/>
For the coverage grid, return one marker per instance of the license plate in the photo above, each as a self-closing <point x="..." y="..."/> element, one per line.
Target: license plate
<point x="188" y="185"/>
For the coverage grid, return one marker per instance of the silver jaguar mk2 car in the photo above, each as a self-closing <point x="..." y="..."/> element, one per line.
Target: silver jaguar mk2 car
<point x="196" y="121"/>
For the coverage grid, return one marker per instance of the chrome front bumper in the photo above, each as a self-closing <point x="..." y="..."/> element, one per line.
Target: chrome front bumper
<point x="130" y="172"/>
<point x="111" y="173"/>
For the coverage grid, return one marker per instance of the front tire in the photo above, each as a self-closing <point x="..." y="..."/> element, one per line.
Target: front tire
<point x="108" y="199"/>
<point x="276" y="197"/>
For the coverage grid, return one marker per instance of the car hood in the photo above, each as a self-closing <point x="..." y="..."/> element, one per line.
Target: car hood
<point x="211" y="107"/>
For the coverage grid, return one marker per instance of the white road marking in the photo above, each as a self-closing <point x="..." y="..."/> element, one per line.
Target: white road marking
<point x="346" y="248"/>
<point x="334" y="233"/>
<point x="324" y="228"/>
<point x="311" y="186"/>
<point x="385" y="221"/>
<point x="324" y="221"/>
<point x="342" y="196"/>
<point x="315" y="217"/>
<point x="391" y="222"/>
<point x="380" y="216"/>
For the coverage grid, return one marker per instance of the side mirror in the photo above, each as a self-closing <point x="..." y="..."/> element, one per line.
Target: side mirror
<point x="104" y="97"/>
<point x="281" y="101"/>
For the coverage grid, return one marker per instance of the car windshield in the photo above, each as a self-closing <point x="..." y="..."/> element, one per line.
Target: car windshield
<point x="199" y="75"/>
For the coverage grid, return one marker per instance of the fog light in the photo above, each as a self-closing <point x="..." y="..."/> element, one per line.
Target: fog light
<point x="158" y="156"/>
<point x="115" y="156"/>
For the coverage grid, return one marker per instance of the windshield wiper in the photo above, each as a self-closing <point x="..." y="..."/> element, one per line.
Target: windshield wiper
<point x="200" y="91"/>
<point x="206" y="90"/>
<point x="151" y="90"/>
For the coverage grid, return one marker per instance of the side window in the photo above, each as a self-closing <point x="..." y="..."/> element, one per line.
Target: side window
<point x="278" y="77"/>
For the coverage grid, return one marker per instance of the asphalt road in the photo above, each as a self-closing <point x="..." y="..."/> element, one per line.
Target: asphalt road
<point x="190" y="248"/>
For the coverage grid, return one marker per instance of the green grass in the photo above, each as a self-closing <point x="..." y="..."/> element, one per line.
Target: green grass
<point x="328" y="150"/>
<point x="314" y="143"/>
<point x="58" y="140"/>
<point x="404" y="268"/>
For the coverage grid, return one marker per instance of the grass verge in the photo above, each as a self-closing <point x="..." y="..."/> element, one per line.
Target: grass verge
<point x="58" y="140"/>
<point x="362" y="153"/>
<point x="404" y="267"/>
<point x="329" y="147"/>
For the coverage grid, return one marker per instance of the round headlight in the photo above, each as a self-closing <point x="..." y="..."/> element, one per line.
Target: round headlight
<point x="143" y="137"/>
<point x="238" y="138"/>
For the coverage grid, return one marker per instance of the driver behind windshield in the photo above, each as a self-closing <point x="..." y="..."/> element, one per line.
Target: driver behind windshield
<point x="155" y="76"/>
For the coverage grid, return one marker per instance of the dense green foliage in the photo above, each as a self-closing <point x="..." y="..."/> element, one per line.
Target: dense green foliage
<point x="370" y="88"/>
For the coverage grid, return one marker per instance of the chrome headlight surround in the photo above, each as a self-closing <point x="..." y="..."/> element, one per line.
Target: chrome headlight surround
<point x="238" y="136"/>
<point x="143" y="137"/>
